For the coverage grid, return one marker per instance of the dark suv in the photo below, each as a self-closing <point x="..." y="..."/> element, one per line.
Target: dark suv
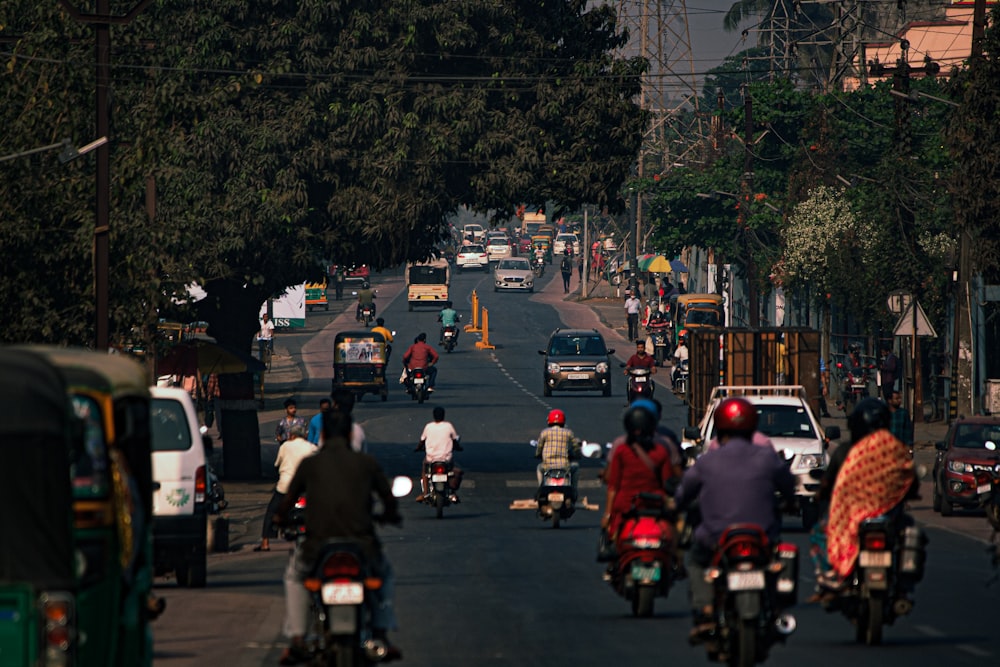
<point x="576" y="360"/>
<point x="962" y="471"/>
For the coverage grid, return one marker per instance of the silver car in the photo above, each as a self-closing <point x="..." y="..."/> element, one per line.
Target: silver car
<point x="514" y="273"/>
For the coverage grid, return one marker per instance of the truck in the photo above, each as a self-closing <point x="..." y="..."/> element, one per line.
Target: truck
<point x="531" y="224"/>
<point x="427" y="283"/>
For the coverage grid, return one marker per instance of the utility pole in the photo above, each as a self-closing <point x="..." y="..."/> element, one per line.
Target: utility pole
<point x="743" y="220"/>
<point x="102" y="20"/>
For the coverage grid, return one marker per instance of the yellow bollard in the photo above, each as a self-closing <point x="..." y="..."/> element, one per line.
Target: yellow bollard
<point x="484" y="344"/>
<point x="474" y="327"/>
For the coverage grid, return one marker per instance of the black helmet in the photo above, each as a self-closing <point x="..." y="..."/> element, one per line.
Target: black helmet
<point x="640" y="423"/>
<point x="868" y="416"/>
<point x="379" y="321"/>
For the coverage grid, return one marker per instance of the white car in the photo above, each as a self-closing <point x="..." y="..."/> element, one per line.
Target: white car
<point x="497" y="247"/>
<point x="785" y="417"/>
<point x="475" y="231"/>
<point x="514" y="273"/>
<point x="472" y="257"/>
<point x="559" y="245"/>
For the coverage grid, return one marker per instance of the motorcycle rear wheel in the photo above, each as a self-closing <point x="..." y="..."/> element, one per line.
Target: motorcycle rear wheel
<point x="643" y="601"/>
<point x="345" y="655"/>
<point x="555" y="519"/>
<point x="869" y="627"/>
<point x="745" y="648"/>
<point x="439" y="505"/>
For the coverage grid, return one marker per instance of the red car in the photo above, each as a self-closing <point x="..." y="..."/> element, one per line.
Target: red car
<point x="524" y="244"/>
<point x="354" y="275"/>
<point x="964" y="466"/>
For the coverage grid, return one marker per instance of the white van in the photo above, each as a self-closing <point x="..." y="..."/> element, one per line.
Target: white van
<point x="182" y="483"/>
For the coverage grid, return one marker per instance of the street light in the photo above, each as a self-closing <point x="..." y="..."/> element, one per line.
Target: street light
<point x="67" y="154"/>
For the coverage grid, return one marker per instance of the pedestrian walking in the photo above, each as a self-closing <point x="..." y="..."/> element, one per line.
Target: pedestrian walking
<point x="900" y="424"/>
<point x="338" y="282"/>
<point x="316" y="423"/>
<point x="566" y="268"/>
<point x="579" y="267"/>
<point x="283" y="431"/>
<point x="632" y="306"/>
<point x="888" y="371"/>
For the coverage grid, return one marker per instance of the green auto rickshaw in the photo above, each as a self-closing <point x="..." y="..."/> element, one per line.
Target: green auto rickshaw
<point x="359" y="362"/>
<point x="106" y="604"/>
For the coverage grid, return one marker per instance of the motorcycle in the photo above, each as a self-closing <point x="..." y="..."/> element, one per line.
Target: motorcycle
<point x="644" y="560"/>
<point x="890" y="562"/>
<point x="753" y="586"/>
<point x="416" y="384"/>
<point x="439" y="480"/>
<point x="556" y="497"/>
<point x="681" y="380"/>
<point x="659" y="333"/>
<point x="640" y="383"/>
<point x="855" y="386"/>
<point x="450" y="337"/>
<point x="538" y="266"/>
<point x="367" y="315"/>
<point x="341" y="587"/>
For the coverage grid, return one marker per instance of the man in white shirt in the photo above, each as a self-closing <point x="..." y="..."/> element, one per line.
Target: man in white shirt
<point x="437" y="442"/>
<point x="265" y="337"/>
<point x="632" y="306"/>
<point x="290" y="454"/>
<point x="680" y="356"/>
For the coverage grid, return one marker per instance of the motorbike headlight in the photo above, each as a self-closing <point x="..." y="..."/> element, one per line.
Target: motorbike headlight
<point x="810" y="461"/>
<point x="602" y="367"/>
<point x="553" y="369"/>
<point x="959" y="466"/>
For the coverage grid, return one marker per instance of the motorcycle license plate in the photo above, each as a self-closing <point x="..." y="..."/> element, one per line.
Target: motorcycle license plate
<point x="645" y="573"/>
<point x="418" y="380"/>
<point x="641" y="378"/>
<point x="439" y="478"/>
<point x="984" y="488"/>
<point x="745" y="581"/>
<point x="875" y="558"/>
<point x="448" y="334"/>
<point x="556" y="497"/>
<point x="577" y="376"/>
<point x="349" y="593"/>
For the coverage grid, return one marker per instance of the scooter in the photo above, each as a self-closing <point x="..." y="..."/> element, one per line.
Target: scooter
<point x="640" y="383"/>
<point x="659" y="333"/>
<point x="644" y="560"/>
<point x="556" y="496"/>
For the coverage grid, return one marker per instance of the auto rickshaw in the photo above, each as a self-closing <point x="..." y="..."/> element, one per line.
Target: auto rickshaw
<point x="545" y="241"/>
<point x="691" y="311"/>
<point x="359" y="361"/>
<point x="316" y="296"/>
<point x="77" y="480"/>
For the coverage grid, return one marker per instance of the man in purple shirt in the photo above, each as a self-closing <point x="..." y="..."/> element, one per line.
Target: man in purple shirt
<point x="735" y="483"/>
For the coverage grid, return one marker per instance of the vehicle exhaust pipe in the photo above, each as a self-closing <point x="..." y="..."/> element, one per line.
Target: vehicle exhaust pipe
<point x="785" y="624"/>
<point x="902" y="607"/>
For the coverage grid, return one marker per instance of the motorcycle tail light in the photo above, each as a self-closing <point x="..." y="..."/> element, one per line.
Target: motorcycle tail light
<point x="200" y="484"/>
<point x="440" y="470"/>
<point x="341" y="565"/>
<point x="58" y="615"/>
<point x="744" y="550"/>
<point x="875" y="541"/>
<point x="300" y="504"/>
<point x="840" y="365"/>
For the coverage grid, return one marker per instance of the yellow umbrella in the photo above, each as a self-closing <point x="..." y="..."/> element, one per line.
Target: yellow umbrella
<point x="660" y="264"/>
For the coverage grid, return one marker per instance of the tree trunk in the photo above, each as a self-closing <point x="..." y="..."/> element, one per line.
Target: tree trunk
<point x="231" y="311"/>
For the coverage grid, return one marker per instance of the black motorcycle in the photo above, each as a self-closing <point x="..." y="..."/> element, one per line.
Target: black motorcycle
<point x="439" y="482"/>
<point x="449" y="337"/>
<point x="556" y="496"/>
<point x="416" y="384"/>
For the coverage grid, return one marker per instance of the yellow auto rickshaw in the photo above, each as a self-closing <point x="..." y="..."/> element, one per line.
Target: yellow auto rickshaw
<point x="691" y="311"/>
<point x="545" y="241"/>
<point x="316" y="296"/>
<point x="102" y="612"/>
<point x="359" y="362"/>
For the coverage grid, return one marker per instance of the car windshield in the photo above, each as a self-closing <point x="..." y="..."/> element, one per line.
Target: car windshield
<point x="975" y="436"/>
<point x="514" y="264"/>
<point x="472" y="249"/>
<point x="784" y="421"/>
<point x="169" y="424"/>
<point x="590" y="345"/>
<point x="705" y="317"/>
<point x="428" y="275"/>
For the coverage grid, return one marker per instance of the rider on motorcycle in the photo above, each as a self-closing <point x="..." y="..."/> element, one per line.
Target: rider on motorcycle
<point x="558" y="448"/>
<point x="422" y="355"/>
<point x="438" y="441"/>
<point x="448" y="317"/>
<point x="640" y="359"/>
<point x="680" y="356"/>
<point x="735" y="483"/>
<point x="380" y="328"/>
<point x="869" y="478"/>
<point x="366" y="298"/>
<point x="340" y="484"/>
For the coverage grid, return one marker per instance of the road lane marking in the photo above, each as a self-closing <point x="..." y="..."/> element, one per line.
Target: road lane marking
<point x="974" y="650"/>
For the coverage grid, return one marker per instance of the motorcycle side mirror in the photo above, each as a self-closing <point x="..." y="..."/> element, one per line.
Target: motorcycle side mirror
<point x="591" y="450"/>
<point x="393" y="333"/>
<point x="533" y="443"/>
<point x="401" y="486"/>
<point x="542" y="352"/>
<point x="990" y="445"/>
<point x="611" y="351"/>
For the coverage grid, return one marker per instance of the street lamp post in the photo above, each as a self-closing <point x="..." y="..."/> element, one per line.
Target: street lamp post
<point x="102" y="19"/>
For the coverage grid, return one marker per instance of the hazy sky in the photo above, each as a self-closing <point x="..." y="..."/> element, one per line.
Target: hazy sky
<point x="709" y="42"/>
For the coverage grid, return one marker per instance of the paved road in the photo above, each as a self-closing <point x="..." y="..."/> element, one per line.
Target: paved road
<point x="488" y="585"/>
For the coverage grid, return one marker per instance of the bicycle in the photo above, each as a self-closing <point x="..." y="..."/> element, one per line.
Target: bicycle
<point x="266" y="351"/>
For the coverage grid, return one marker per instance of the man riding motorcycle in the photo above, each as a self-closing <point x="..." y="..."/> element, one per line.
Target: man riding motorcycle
<point x="735" y="483"/>
<point x="448" y="317"/>
<point x="380" y="328"/>
<point x="422" y="355"/>
<point x="438" y="440"/>
<point x="340" y="484"/>
<point x="366" y="297"/>
<point x="641" y="359"/>
<point x="558" y="448"/>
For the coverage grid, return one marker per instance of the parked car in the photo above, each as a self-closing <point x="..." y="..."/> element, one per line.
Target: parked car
<point x="562" y="240"/>
<point x="183" y="481"/>
<point x="472" y="257"/>
<point x="514" y="273"/>
<point x="576" y="360"/>
<point x="963" y="467"/>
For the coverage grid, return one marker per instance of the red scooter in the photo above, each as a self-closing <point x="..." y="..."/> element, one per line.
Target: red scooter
<point x="644" y="565"/>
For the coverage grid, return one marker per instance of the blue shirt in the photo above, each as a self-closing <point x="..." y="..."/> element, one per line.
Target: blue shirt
<point x="736" y="483"/>
<point x="315" y="428"/>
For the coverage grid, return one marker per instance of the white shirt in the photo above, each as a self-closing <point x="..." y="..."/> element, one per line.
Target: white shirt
<point x="632" y="305"/>
<point x="438" y="439"/>
<point x="290" y="454"/>
<point x="266" y="330"/>
<point x="681" y="353"/>
<point x="359" y="442"/>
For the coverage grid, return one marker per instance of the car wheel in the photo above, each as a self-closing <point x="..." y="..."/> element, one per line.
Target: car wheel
<point x="936" y="499"/>
<point x="947" y="509"/>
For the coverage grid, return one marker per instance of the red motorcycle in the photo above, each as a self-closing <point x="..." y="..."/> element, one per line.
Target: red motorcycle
<point x="644" y="565"/>
<point x="855" y="384"/>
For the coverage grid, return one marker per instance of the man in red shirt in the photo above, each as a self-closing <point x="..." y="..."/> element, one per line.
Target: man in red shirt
<point x="422" y="355"/>
<point x="640" y="359"/>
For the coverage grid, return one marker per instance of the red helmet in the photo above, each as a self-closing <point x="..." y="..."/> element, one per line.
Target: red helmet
<point x="736" y="414"/>
<point x="557" y="417"/>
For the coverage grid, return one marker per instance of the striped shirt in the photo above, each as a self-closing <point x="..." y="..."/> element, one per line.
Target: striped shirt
<point x="557" y="446"/>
